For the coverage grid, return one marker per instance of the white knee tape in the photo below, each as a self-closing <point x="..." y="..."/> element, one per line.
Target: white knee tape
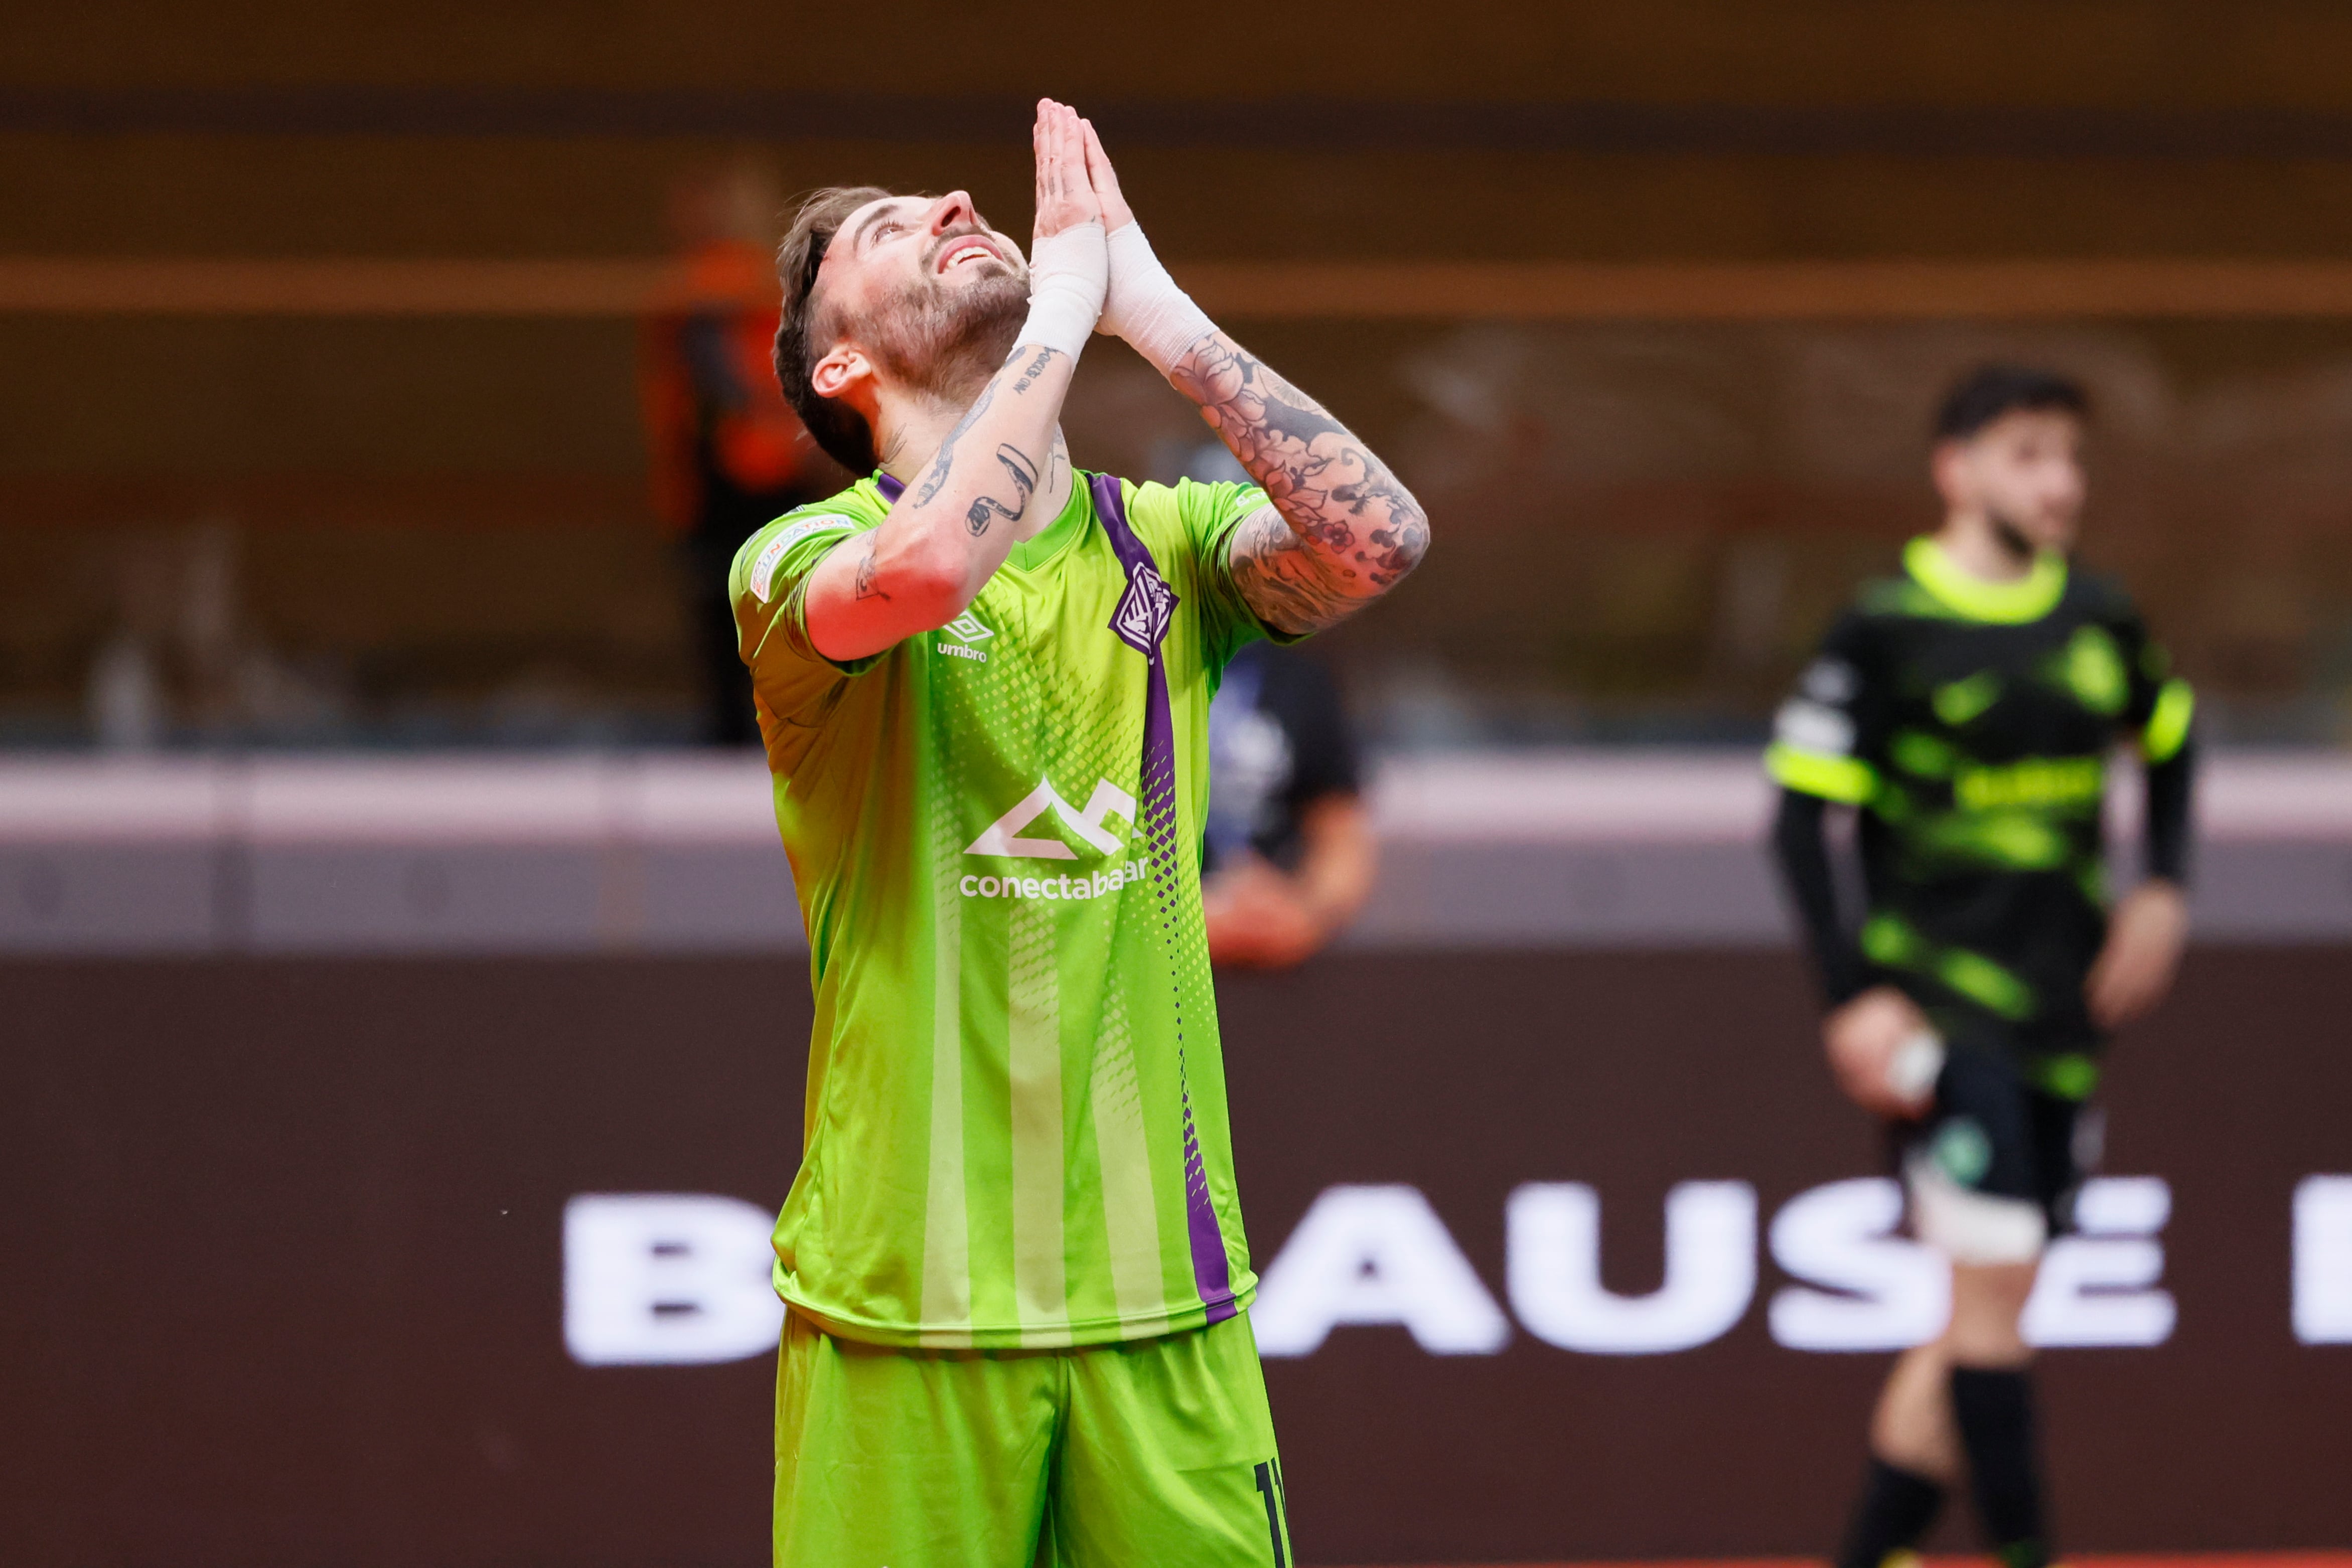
<point x="1970" y="1227"/>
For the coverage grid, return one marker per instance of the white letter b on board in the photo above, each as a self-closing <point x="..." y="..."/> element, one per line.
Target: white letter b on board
<point x="654" y="1277"/>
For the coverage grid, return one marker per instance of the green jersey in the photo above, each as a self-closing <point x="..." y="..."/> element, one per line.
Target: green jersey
<point x="1015" y="1131"/>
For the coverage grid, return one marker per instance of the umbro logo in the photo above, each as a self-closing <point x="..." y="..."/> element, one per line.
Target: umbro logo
<point x="1003" y="837"/>
<point x="966" y="628"/>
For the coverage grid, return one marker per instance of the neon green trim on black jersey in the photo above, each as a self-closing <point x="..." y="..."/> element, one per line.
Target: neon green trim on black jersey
<point x="1889" y="939"/>
<point x="1838" y="778"/>
<point x="2036" y="783"/>
<point x="2167" y="727"/>
<point x="2069" y="1076"/>
<point x="1958" y="702"/>
<point x="2093" y="669"/>
<point x="1992" y="985"/>
<point x="2012" y="840"/>
<point x="2030" y="597"/>
<point x="1892" y="942"/>
<point x="1923" y="756"/>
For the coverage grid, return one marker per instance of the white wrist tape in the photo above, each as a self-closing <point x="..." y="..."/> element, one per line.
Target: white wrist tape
<point x="1068" y="273"/>
<point x="1145" y="306"/>
<point x="1915" y="1065"/>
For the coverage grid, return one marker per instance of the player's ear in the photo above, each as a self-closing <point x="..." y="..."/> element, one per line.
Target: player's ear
<point x="839" y="371"/>
<point x="1948" y="466"/>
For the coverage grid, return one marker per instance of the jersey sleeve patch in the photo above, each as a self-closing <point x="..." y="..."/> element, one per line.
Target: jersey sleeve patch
<point x="771" y="554"/>
<point x="1821" y="737"/>
<point x="1814" y="726"/>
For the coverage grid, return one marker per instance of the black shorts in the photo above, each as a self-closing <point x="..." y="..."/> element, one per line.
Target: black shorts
<point x="1994" y="1165"/>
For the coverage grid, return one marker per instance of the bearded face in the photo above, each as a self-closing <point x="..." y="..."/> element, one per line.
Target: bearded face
<point x="2024" y="471"/>
<point x="927" y="294"/>
<point x="943" y="327"/>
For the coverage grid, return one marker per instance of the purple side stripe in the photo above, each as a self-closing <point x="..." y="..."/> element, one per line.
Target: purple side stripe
<point x="1211" y="1275"/>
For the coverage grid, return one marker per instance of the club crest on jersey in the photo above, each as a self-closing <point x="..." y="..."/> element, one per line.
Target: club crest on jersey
<point x="1144" y="610"/>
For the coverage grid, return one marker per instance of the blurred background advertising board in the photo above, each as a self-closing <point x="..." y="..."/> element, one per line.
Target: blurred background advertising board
<point x="463" y="1259"/>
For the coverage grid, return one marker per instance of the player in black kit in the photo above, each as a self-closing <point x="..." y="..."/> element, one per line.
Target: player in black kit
<point x="1966" y="708"/>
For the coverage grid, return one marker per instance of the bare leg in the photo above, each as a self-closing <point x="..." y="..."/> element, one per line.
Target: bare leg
<point x="1914" y="1460"/>
<point x="1912" y="1428"/>
<point x="1987" y="1299"/>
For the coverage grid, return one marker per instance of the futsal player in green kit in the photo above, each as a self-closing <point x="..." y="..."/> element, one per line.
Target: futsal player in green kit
<point x="1013" y="1260"/>
<point x="1968" y="708"/>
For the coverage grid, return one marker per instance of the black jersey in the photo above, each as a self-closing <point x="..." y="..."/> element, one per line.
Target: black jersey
<point x="1278" y="742"/>
<point x="1972" y="723"/>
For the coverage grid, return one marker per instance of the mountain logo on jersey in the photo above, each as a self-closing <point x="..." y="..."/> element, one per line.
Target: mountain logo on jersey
<point x="1003" y="837"/>
<point x="1144" y="610"/>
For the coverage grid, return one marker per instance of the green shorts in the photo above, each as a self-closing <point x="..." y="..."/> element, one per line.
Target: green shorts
<point x="1161" y="1451"/>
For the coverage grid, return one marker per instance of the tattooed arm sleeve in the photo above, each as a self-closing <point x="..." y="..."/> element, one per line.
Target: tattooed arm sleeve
<point x="1341" y="532"/>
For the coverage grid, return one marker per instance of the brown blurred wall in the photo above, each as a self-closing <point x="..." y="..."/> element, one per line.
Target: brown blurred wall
<point x="437" y="452"/>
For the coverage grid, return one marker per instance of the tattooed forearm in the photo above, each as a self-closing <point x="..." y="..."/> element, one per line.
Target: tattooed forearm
<point x="945" y="461"/>
<point x="1342" y="531"/>
<point x="866" y="587"/>
<point x="1035" y="368"/>
<point x="1024" y="473"/>
<point x="1277" y="576"/>
<point x="970" y="453"/>
<point x="988" y="509"/>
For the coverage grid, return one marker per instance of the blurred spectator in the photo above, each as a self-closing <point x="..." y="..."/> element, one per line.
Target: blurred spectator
<point x="727" y="454"/>
<point x="1290" y="853"/>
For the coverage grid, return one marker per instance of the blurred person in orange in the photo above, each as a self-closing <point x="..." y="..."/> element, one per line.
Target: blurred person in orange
<point x="728" y="453"/>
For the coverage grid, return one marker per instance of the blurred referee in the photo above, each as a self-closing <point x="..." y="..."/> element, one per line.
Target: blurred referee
<point x="1966" y="708"/>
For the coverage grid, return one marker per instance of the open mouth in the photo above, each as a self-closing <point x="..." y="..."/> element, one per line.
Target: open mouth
<point x="966" y="251"/>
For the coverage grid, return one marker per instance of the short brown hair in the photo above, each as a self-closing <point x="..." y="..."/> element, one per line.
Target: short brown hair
<point x="840" y="429"/>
